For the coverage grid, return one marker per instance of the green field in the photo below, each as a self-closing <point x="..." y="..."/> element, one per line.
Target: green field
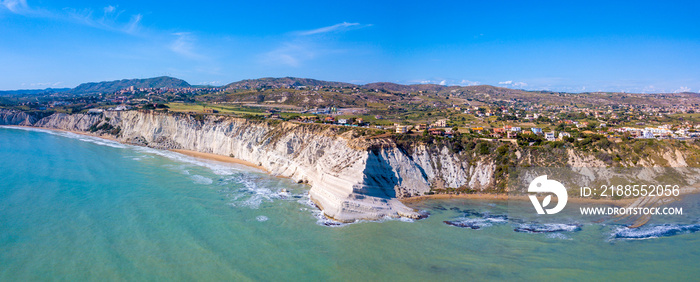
<point x="199" y="108"/>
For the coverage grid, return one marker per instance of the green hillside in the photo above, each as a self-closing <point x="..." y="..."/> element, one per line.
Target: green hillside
<point x="116" y="85"/>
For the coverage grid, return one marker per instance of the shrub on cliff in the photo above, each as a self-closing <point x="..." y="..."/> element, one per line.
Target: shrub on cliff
<point x="154" y="106"/>
<point x="483" y="148"/>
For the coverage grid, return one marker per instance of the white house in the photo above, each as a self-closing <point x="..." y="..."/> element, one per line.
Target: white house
<point x="401" y="129"/>
<point x="441" y="123"/>
<point x="549" y="136"/>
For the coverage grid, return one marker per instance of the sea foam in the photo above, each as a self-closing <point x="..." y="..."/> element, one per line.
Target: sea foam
<point x="81" y="137"/>
<point x="477" y="223"/>
<point x="198" y="179"/>
<point x="547" y="227"/>
<point x="656" y="231"/>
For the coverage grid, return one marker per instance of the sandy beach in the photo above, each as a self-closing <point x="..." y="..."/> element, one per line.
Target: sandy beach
<point x="218" y="158"/>
<point x="106" y="137"/>
<point x="190" y="153"/>
<point x="475" y="196"/>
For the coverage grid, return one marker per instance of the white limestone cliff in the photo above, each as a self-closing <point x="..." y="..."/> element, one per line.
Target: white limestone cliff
<point x="9" y="117"/>
<point x="350" y="178"/>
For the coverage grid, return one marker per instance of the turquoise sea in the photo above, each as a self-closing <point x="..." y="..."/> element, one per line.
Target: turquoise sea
<point x="81" y="208"/>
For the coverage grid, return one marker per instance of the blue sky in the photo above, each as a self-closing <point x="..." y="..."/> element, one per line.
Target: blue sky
<point x="637" y="46"/>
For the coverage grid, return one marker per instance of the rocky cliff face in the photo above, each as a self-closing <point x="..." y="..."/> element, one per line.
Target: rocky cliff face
<point x="350" y="178"/>
<point x="9" y="117"/>
<point x="77" y="122"/>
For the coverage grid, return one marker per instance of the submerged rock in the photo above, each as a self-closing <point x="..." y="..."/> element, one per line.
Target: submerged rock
<point x="547" y="228"/>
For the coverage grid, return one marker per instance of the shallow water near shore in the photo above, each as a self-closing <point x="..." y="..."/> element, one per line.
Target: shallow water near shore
<point x="81" y="208"/>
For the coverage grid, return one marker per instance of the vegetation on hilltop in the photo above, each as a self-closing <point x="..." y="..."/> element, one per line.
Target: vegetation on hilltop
<point x="283" y="82"/>
<point x="33" y="91"/>
<point x="116" y="85"/>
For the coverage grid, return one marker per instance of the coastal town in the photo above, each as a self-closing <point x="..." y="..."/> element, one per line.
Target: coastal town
<point x="417" y="111"/>
<point x="349" y="141"/>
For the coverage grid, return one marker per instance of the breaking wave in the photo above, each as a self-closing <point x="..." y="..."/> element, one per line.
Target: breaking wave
<point x="657" y="231"/>
<point x="323" y="220"/>
<point x="255" y="191"/>
<point x="217" y="168"/>
<point x="81" y="137"/>
<point x="547" y="227"/>
<point x="473" y="219"/>
<point x="477" y="223"/>
<point x="198" y="179"/>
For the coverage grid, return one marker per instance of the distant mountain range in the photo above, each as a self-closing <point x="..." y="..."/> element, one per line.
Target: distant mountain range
<point x="267" y="82"/>
<point x="33" y="91"/>
<point x="273" y="82"/>
<point x="282" y="82"/>
<point x="394" y="87"/>
<point x="116" y="85"/>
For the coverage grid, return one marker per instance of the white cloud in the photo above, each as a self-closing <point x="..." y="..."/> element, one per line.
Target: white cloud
<point x="133" y="24"/>
<point x="326" y="29"/>
<point x="110" y="19"/>
<point x="290" y="54"/>
<point x="465" y="82"/>
<point x="214" y="83"/>
<point x="649" y="89"/>
<point x="444" y="82"/>
<point x="302" y="47"/>
<point x="429" y="81"/>
<point x="510" y="83"/>
<point x="682" y="89"/>
<point x="15" y="6"/>
<point x="43" y="84"/>
<point x="184" y="45"/>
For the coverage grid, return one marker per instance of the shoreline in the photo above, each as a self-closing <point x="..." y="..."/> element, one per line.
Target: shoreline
<point x="110" y="138"/>
<point x="218" y="158"/>
<point x="415" y="199"/>
<point x="190" y="153"/>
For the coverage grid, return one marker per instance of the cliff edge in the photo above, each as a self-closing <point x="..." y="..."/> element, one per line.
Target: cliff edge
<point x="353" y="177"/>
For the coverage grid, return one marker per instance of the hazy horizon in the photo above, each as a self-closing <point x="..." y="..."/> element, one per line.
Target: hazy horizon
<point x="446" y="85"/>
<point x="644" y="47"/>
